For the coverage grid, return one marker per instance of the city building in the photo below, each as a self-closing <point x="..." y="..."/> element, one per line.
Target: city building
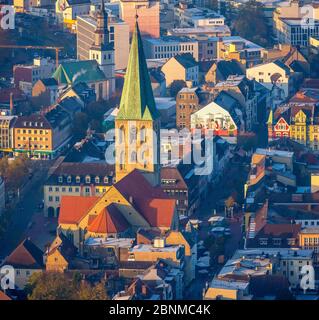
<point x="25" y="76"/>
<point x="240" y="49"/>
<point x="275" y="73"/>
<point x="206" y="32"/>
<point x="6" y="136"/>
<point x="67" y="11"/>
<point x="309" y="240"/>
<point x="26" y="259"/>
<point x="45" y="92"/>
<point x="76" y="179"/>
<point x="148" y="12"/>
<point x="187" y="102"/>
<point x="118" y="35"/>
<point x="43" y="136"/>
<point x="225" y="120"/>
<point x="167" y="47"/>
<point x="181" y="67"/>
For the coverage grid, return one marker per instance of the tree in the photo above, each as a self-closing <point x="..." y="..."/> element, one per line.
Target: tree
<point x="58" y="286"/>
<point x="251" y="14"/>
<point x="176" y="86"/>
<point x="80" y="125"/>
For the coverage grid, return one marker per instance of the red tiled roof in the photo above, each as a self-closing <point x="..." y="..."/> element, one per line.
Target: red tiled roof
<point x="110" y="220"/>
<point x="74" y="208"/>
<point x="3" y="296"/>
<point x="150" y="201"/>
<point x="26" y="255"/>
<point x="281" y="230"/>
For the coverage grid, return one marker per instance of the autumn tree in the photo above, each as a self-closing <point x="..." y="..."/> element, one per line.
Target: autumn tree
<point x="58" y="286"/>
<point x="251" y="23"/>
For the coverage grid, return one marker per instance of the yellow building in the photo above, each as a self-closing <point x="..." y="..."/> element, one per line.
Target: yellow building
<point x="309" y="239"/>
<point x="185" y="239"/>
<point x="76" y="179"/>
<point x="43" y="136"/>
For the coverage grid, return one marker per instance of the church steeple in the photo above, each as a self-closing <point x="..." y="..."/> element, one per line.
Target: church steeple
<point x="102" y="36"/>
<point x="137" y="137"/>
<point x="137" y="101"/>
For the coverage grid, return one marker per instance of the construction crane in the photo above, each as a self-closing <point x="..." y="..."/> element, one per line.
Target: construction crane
<point x="57" y="49"/>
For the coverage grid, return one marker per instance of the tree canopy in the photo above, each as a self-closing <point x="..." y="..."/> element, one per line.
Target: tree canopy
<point x="251" y="23"/>
<point x="58" y="286"/>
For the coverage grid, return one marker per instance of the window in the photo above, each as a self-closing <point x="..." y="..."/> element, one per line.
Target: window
<point x="77" y="179"/>
<point x="106" y="180"/>
<point x="69" y="179"/>
<point x="60" y="179"/>
<point x="88" y="179"/>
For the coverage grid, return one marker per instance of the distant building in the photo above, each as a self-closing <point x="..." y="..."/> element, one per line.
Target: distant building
<point x="118" y="35"/>
<point x="275" y="73"/>
<point x="25" y="76"/>
<point x="187" y="102"/>
<point x="201" y="32"/>
<point x="169" y="46"/>
<point x="6" y="137"/>
<point x="45" y="92"/>
<point x="67" y="11"/>
<point x="240" y="49"/>
<point x="181" y="67"/>
<point x="309" y="239"/>
<point x="148" y="12"/>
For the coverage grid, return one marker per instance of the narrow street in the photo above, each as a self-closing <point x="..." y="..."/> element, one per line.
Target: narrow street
<point x="30" y="197"/>
<point x="234" y="176"/>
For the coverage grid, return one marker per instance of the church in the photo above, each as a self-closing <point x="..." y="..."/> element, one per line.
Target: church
<point x="136" y="199"/>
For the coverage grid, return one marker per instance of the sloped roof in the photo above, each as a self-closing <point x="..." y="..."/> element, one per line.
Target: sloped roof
<point x="150" y="201"/>
<point x="26" y="256"/>
<point x="74" y="208"/>
<point x="137" y="100"/>
<point x="78" y="71"/>
<point x="227" y="68"/>
<point x="110" y="220"/>
<point x="49" y="82"/>
<point x="186" y="60"/>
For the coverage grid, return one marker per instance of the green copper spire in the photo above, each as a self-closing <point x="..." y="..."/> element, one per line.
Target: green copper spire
<point x="137" y="101"/>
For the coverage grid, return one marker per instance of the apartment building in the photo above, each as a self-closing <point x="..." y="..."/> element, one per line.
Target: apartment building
<point x="118" y="35"/>
<point x="169" y="46"/>
<point x="43" y="136"/>
<point x="148" y="12"/>
<point x="6" y="133"/>
<point x="25" y="76"/>
<point x="76" y="179"/>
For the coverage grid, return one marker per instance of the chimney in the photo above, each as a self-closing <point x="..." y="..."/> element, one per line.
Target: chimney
<point x="11" y="104"/>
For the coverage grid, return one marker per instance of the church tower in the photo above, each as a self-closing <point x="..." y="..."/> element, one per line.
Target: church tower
<point x="102" y="50"/>
<point x="137" y="125"/>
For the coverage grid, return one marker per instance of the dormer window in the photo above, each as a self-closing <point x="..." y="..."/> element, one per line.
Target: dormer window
<point x="60" y="179"/>
<point x="78" y="179"/>
<point x="69" y="179"/>
<point x="88" y="179"/>
<point x="97" y="180"/>
<point x="106" y="180"/>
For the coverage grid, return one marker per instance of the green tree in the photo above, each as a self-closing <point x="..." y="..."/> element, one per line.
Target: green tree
<point x="176" y="86"/>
